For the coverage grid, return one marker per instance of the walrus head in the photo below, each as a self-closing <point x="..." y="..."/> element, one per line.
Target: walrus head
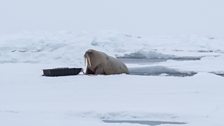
<point x="90" y="61"/>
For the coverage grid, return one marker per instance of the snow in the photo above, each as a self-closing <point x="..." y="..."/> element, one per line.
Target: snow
<point x="28" y="98"/>
<point x="66" y="48"/>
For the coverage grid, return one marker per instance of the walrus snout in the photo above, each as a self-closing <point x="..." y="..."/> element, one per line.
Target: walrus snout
<point x="87" y="60"/>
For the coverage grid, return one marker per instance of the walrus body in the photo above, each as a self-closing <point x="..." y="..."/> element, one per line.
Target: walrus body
<point x="100" y="63"/>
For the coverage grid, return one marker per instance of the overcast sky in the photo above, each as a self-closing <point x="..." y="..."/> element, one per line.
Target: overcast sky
<point x="134" y="16"/>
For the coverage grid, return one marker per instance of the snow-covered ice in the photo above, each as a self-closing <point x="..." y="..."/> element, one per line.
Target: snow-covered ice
<point x="27" y="98"/>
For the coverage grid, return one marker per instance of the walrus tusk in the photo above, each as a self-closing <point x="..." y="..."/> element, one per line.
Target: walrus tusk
<point x="88" y="61"/>
<point x="85" y="61"/>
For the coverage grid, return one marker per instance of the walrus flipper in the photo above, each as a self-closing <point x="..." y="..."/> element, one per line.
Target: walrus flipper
<point x="88" y="71"/>
<point x="99" y="70"/>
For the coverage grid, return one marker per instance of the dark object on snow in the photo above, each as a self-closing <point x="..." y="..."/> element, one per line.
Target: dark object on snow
<point x="61" y="72"/>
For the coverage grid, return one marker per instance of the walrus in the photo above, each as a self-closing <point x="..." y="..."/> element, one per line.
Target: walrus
<point x="101" y="63"/>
